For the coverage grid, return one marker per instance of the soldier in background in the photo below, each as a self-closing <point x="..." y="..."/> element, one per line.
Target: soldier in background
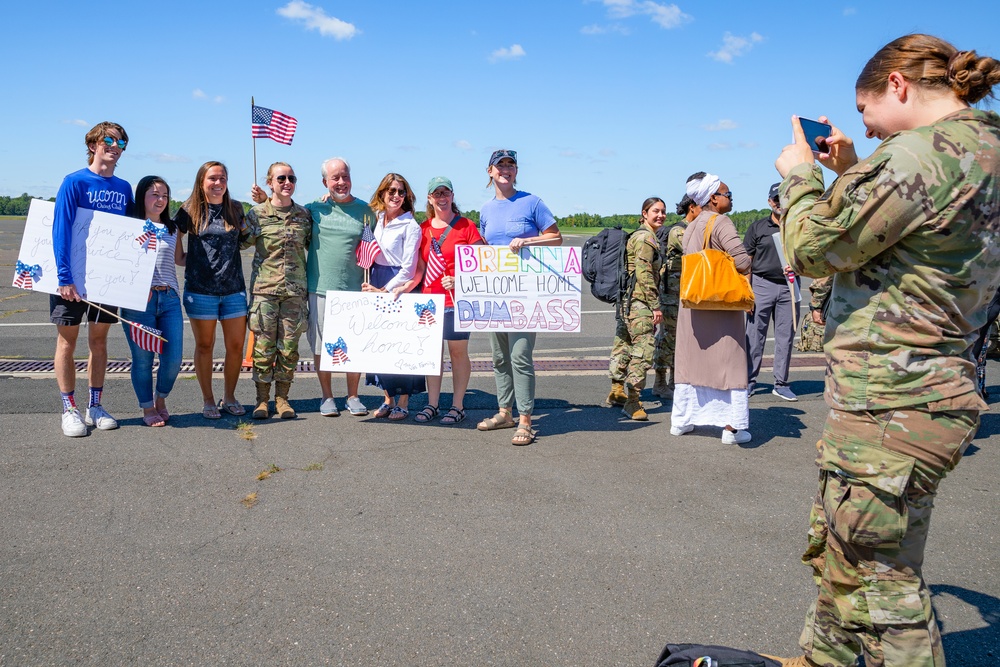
<point x="671" y="248"/>
<point x="281" y="231"/>
<point x="639" y="311"/>
<point x="914" y="268"/>
<point x="813" y="322"/>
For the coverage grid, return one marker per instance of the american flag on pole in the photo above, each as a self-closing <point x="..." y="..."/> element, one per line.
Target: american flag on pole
<point x="425" y="312"/>
<point x="436" y="264"/>
<point x="338" y="351"/>
<point x="368" y="249"/>
<point x="270" y="124"/>
<point x="25" y="275"/>
<point x="147" y="338"/>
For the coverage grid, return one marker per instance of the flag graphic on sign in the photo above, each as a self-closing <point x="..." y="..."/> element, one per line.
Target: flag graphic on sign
<point x="147" y="338"/>
<point x="338" y="351"/>
<point x="150" y="235"/>
<point x="436" y="264"/>
<point x="270" y="124"/>
<point x="368" y="249"/>
<point x="25" y="275"/>
<point x="425" y="312"/>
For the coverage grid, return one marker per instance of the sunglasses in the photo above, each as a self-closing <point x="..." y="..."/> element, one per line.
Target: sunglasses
<point x="392" y="192"/>
<point x="281" y="178"/>
<point x="727" y="195"/>
<point x="501" y="154"/>
<point x="111" y="141"/>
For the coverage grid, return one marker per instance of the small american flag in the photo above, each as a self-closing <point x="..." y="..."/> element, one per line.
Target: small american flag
<point x="270" y="124"/>
<point x="25" y="275"/>
<point x="150" y="235"/>
<point x="425" y="311"/>
<point x="338" y="351"/>
<point x="436" y="264"/>
<point x="147" y="338"/>
<point x="368" y="249"/>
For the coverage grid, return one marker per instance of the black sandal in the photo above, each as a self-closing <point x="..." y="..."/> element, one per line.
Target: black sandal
<point x="428" y="413"/>
<point x="453" y="416"/>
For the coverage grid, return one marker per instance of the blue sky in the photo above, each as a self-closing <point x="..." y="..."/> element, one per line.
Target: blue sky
<point x="606" y="101"/>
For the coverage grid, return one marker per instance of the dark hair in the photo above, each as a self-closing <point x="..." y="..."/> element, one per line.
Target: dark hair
<point x="98" y="132"/>
<point x="933" y="63"/>
<point x="139" y="207"/>
<point x="378" y="202"/>
<point x="696" y="175"/>
<point x="684" y="204"/>
<point x="648" y="204"/>
<point x="196" y="205"/>
<point x="432" y="212"/>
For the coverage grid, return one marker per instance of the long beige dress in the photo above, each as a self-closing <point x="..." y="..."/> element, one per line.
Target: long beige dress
<point x="710" y="365"/>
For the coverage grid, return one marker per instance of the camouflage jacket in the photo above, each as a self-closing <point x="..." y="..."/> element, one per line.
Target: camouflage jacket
<point x="281" y="239"/>
<point x="642" y="256"/>
<point x="671" y="272"/>
<point x="912" y="235"/>
<point x="819" y="291"/>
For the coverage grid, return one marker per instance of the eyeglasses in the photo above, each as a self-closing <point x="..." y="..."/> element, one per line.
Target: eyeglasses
<point x="392" y="192"/>
<point x="727" y="195"/>
<point x="111" y="141"/>
<point x="441" y="194"/>
<point x="501" y="154"/>
<point x="281" y="178"/>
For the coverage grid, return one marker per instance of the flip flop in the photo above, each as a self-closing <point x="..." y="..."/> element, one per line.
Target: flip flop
<point x="153" y="420"/>
<point x="383" y="411"/>
<point x="235" y="409"/>
<point x="210" y="412"/>
<point x="164" y="415"/>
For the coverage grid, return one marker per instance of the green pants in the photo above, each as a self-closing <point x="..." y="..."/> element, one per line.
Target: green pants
<point x="277" y="324"/>
<point x="879" y="474"/>
<point x="632" y="350"/>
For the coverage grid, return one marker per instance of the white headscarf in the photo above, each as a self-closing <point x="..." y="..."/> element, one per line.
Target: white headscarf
<point x="701" y="191"/>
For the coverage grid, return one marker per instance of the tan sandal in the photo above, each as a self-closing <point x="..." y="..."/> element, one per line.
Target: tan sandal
<point x="524" y="435"/>
<point x="498" y="421"/>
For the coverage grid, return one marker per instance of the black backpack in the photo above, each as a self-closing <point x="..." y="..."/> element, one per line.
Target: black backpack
<point x="603" y="264"/>
<point x="689" y="655"/>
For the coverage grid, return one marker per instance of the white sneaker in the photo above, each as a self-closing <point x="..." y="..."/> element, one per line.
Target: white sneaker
<point x="328" y="408"/>
<point x="99" y="417"/>
<point x="72" y="424"/>
<point x="735" y="438"/>
<point x="681" y="430"/>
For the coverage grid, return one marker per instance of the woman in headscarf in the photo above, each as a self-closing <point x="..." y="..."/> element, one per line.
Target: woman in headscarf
<point x="711" y="359"/>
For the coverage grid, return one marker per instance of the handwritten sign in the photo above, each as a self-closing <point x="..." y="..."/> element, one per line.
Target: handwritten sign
<point x="116" y="267"/>
<point x="369" y="332"/>
<point x="537" y="289"/>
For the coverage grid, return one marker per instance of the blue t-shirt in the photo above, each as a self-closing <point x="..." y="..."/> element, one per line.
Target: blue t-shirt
<point x="83" y="189"/>
<point x="522" y="216"/>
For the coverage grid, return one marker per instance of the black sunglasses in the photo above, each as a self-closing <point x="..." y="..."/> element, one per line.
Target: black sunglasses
<point x="281" y="178"/>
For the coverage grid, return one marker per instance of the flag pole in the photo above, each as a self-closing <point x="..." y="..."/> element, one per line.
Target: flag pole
<point x="122" y="319"/>
<point x="254" y="139"/>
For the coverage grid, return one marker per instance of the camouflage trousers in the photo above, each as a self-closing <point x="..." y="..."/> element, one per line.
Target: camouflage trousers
<point x="879" y="475"/>
<point x="632" y="351"/>
<point x="666" y="339"/>
<point x="810" y="335"/>
<point x="277" y="323"/>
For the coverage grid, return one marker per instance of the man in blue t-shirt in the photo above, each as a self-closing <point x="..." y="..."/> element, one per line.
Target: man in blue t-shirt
<point x="95" y="188"/>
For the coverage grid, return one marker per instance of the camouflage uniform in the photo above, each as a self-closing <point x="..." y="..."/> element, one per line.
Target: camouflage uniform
<point x="632" y="351"/>
<point x="811" y="334"/>
<point x="278" y="308"/>
<point x="666" y="335"/>
<point x="909" y="233"/>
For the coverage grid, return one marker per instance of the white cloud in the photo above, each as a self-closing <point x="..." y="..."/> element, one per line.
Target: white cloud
<point x="724" y="124"/>
<point x="463" y="145"/>
<point x="314" y="18"/>
<point x="607" y="152"/>
<point x="748" y="144"/>
<point x="218" y="99"/>
<point x="734" y="46"/>
<point x="167" y="158"/>
<point x="595" y="29"/>
<point x="198" y="94"/>
<point x="850" y="11"/>
<point x="408" y="148"/>
<point x="512" y="53"/>
<point x="720" y="146"/>
<point x="569" y="152"/>
<point x="76" y="121"/>
<point x="665" y="16"/>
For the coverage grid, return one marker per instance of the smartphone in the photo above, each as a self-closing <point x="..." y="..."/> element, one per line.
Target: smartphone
<point x="816" y="134"/>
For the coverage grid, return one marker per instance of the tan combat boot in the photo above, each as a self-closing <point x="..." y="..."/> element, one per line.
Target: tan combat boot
<point x="633" y="406"/>
<point x="617" y="396"/>
<point x="281" y="406"/>
<point x="263" y="395"/>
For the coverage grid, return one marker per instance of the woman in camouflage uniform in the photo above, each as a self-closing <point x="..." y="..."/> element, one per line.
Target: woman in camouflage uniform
<point x="909" y="235"/>
<point x="640" y="311"/>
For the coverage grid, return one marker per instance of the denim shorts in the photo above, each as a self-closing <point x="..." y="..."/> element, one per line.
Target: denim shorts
<point x="209" y="307"/>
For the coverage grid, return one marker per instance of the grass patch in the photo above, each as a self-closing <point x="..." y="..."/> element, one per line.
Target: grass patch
<point x="250" y="500"/>
<point x="313" y="466"/>
<point x="264" y="474"/>
<point x="245" y="430"/>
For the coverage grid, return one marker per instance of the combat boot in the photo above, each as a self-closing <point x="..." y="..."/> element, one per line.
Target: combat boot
<point x="617" y="396"/>
<point x="660" y="383"/>
<point x="281" y="406"/>
<point x="633" y="406"/>
<point x="263" y="396"/>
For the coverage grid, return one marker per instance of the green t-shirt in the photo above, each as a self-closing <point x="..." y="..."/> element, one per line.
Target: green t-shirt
<point x="331" y="263"/>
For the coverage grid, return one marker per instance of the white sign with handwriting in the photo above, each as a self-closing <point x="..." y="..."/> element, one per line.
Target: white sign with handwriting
<point x="371" y="332"/>
<point x="110" y="252"/>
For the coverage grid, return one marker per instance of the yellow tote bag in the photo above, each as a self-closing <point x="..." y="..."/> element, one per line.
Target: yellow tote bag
<point x="710" y="281"/>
